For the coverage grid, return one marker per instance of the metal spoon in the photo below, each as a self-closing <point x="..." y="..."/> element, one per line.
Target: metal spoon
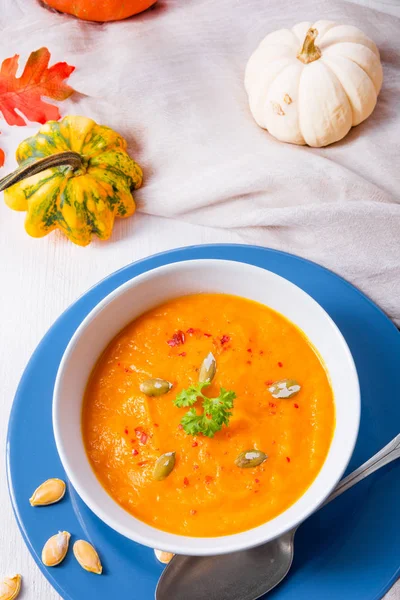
<point x="249" y="574"/>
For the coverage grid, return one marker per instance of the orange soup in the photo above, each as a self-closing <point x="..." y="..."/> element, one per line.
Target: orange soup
<point x="262" y="454"/>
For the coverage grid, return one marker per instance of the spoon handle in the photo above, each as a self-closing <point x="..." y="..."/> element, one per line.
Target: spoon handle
<point x="380" y="459"/>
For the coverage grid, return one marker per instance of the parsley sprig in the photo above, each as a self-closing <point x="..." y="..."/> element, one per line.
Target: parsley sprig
<point x="217" y="411"/>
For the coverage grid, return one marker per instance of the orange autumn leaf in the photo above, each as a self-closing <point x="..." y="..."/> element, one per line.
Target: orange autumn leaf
<point x="24" y="93"/>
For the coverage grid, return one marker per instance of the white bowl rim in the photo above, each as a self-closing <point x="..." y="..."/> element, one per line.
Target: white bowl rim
<point x="180" y="544"/>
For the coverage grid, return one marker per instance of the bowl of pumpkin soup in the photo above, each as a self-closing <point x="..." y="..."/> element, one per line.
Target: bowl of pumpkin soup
<point x="205" y="407"/>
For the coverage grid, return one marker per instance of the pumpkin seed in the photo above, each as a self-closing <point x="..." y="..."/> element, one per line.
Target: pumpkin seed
<point x="87" y="557"/>
<point x="250" y="458"/>
<point x="164" y="465"/>
<point x="155" y="387"/>
<point x="49" y="492"/>
<point x="285" y="388"/>
<point x="55" y="549"/>
<point x="208" y="368"/>
<point x="164" y="557"/>
<point x="10" y="587"/>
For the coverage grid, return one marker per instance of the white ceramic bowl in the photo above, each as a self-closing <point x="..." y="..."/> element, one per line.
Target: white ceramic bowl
<point x="147" y="291"/>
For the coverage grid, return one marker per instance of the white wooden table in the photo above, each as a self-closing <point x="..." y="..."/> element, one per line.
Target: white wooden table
<point x="41" y="278"/>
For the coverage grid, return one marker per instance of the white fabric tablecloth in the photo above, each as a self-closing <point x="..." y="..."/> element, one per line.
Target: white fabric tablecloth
<point x="171" y="81"/>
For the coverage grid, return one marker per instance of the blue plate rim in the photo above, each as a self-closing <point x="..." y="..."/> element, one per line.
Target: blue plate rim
<point x="175" y="251"/>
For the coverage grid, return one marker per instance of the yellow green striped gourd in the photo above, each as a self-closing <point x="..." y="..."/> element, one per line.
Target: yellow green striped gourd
<point x="88" y="180"/>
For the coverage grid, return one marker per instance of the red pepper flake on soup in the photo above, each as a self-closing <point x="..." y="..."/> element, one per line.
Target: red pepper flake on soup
<point x="225" y="339"/>
<point x="177" y="339"/>
<point x="143" y="438"/>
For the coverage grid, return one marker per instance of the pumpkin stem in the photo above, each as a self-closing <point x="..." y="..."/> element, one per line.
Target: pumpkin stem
<point x="72" y="159"/>
<point x="309" y="51"/>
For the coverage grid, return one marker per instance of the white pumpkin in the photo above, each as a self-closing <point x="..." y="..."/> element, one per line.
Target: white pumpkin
<point x="312" y="83"/>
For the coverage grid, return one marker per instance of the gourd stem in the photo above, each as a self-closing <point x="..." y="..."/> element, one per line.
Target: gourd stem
<point x="72" y="159"/>
<point x="309" y="51"/>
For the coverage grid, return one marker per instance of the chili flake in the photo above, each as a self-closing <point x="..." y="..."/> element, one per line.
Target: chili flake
<point x="143" y="438"/>
<point x="193" y="512"/>
<point x="135" y="452"/>
<point x="177" y="339"/>
<point x="194" y="444"/>
<point x="133" y="441"/>
<point x="156" y="425"/>
<point x="141" y="464"/>
<point x="225" y="339"/>
<point x="208" y="479"/>
<point x="257" y="480"/>
<point x="261" y="351"/>
<point x="249" y="350"/>
<point x="127" y="370"/>
<point x="195" y="466"/>
<point x="272" y="404"/>
<point x="182" y="354"/>
<point x="190" y="330"/>
<point x="138" y="431"/>
<point x="248" y="362"/>
<point x="288" y="459"/>
<point x="180" y="426"/>
<point x="185" y="481"/>
<point x="269" y="382"/>
<point x="207" y="334"/>
<point x="280" y="364"/>
<point x="296" y="405"/>
<point x="126" y="431"/>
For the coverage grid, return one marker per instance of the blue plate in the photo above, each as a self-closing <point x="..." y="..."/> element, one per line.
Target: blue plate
<point x="347" y="551"/>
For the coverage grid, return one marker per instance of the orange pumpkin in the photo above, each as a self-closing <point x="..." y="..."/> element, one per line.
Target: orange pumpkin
<point x="100" y="10"/>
